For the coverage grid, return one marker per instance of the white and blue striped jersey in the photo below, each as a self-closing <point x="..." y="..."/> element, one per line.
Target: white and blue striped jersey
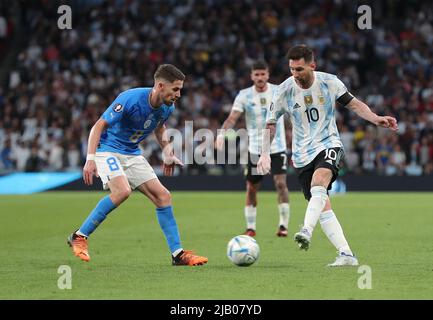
<point x="255" y="105"/>
<point x="312" y="113"/>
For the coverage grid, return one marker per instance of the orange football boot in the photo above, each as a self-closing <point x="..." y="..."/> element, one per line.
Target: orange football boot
<point x="188" y="258"/>
<point x="79" y="246"/>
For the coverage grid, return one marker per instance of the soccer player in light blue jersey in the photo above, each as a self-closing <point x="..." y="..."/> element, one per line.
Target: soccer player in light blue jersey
<point x="114" y="156"/>
<point x="254" y="102"/>
<point x="310" y="97"/>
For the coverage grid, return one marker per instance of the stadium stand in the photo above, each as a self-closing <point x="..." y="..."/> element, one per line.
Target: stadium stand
<point x="63" y="80"/>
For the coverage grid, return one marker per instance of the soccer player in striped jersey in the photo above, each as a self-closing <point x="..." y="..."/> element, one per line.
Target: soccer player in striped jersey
<point x="310" y="98"/>
<point x="114" y="156"/>
<point x="254" y="102"/>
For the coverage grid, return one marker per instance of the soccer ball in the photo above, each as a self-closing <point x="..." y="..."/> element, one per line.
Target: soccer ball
<point x="243" y="250"/>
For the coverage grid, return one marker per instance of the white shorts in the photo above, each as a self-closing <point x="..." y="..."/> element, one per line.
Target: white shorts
<point x="136" y="168"/>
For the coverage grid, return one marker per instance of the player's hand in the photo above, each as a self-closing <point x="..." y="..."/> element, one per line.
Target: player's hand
<point x="219" y="142"/>
<point x="88" y="171"/>
<point x="169" y="163"/>
<point x="264" y="164"/>
<point x="387" y="122"/>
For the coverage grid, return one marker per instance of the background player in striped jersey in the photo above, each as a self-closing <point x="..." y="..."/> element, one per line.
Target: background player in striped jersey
<point x="254" y="102"/>
<point x="113" y="155"/>
<point x="310" y="98"/>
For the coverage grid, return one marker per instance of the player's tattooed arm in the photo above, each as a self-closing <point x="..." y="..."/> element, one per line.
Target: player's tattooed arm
<point x="362" y="110"/>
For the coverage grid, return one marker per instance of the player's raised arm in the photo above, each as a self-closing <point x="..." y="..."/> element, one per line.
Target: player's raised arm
<point x="95" y="135"/>
<point x="169" y="159"/>
<point x="362" y="110"/>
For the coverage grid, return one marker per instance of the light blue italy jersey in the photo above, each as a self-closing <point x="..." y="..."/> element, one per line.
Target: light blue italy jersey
<point x="131" y="119"/>
<point x="255" y="105"/>
<point x="312" y="113"/>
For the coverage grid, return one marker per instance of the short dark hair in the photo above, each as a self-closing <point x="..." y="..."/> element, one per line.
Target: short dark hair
<point x="300" y="51"/>
<point x="259" y="65"/>
<point x="168" y="72"/>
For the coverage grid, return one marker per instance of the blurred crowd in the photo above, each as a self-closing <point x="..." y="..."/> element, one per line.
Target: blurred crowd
<point x="64" y="79"/>
<point x="6" y="28"/>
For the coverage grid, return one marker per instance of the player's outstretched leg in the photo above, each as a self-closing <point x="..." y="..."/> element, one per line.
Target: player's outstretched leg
<point x="168" y="225"/>
<point x="160" y="196"/>
<point x="317" y="202"/>
<point x="78" y="240"/>
<point x="332" y="228"/>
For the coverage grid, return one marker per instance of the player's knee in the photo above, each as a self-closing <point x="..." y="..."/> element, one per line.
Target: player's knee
<point x="320" y="181"/>
<point x="280" y="185"/>
<point x="123" y="194"/>
<point x="163" y="198"/>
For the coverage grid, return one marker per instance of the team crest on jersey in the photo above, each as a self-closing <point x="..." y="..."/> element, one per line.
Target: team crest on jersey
<point x="263" y="101"/>
<point x="118" y="107"/>
<point x="308" y="99"/>
<point x="321" y="100"/>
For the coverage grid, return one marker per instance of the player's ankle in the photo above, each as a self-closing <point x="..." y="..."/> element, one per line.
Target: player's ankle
<point x="177" y="253"/>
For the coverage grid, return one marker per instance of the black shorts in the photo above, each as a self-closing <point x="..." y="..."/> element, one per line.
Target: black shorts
<point x="278" y="166"/>
<point x="330" y="159"/>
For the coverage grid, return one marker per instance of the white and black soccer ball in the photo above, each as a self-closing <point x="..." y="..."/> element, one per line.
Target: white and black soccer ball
<point x="243" y="250"/>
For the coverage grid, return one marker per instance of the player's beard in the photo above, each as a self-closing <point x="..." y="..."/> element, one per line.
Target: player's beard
<point x="303" y="82"/>
<point x="169" y="101"/>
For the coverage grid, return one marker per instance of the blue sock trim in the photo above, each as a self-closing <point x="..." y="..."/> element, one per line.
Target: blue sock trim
<point x="98" y="214"/>
<point x="169" y="227"/>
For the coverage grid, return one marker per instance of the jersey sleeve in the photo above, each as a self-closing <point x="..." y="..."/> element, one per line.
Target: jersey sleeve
<point x="239" y="103"/>
<point x="342" y="95"/>
<point x="115" y="111"/>
<point x="278" y="106"/>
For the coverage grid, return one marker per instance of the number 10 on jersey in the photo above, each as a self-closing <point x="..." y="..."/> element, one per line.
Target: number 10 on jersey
<point x="312" y="114"/>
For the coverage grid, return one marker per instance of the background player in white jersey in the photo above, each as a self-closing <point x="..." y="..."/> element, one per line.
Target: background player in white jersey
<point x="310" y="98"/>
<point x="254" y="102"/>
<point x="113" y="155"/>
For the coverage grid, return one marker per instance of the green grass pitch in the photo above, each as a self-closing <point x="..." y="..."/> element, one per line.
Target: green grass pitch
<point x="392" y="233"/>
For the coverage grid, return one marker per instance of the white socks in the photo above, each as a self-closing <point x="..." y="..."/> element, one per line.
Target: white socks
<point x="284" y="209"/>
<point x="315" y="207"/>
<point x="332" y="228"/>
<point x="250" y="216"/>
